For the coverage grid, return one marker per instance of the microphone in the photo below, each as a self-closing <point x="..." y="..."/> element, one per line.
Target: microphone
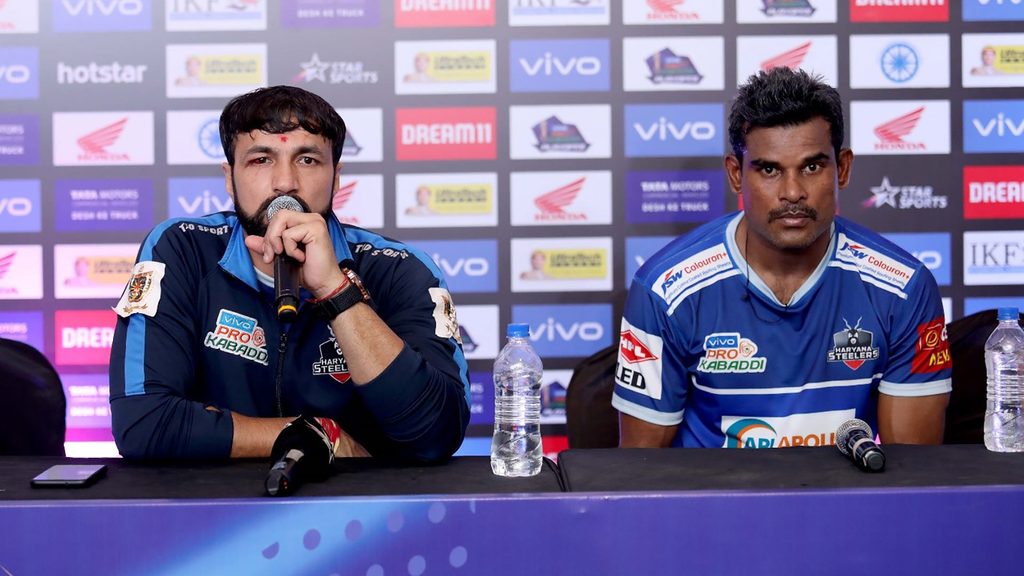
<point x="286" y="269"/>
<point x="855" y="439"/>
<point x="301" y="452"/>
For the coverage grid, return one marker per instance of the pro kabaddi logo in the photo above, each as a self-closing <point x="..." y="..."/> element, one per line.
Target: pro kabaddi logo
<point x="852" y="346"/>
<point x="730" y="353"/>
<point x="239" y="335"/>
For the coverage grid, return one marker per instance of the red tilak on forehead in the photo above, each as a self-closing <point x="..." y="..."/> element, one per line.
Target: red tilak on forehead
<point x="284" y="138"/>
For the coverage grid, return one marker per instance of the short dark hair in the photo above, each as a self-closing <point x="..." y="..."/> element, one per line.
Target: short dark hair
<point x="784" y="97"/>
<point x="280" y="109"/>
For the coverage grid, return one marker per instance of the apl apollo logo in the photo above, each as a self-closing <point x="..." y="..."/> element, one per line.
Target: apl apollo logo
<point x="853" y="346"/>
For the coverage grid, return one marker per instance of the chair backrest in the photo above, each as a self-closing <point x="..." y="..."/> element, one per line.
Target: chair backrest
<point x="591" y="422"/>
<point x="33" y="424"/>
<point x="965" y="416"/>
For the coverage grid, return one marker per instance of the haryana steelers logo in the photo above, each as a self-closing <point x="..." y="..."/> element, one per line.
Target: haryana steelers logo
<point x="750" y="433"/>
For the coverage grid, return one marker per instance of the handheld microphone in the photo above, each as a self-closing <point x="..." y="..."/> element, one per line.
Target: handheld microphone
<point x="855" y="439"/>
<point x="286" y="269"/>
<point x="302" y="452"/>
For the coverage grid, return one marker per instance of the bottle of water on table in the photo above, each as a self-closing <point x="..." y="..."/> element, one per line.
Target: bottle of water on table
<point x="516" y="446"/>
<point x="1004" y="366"/>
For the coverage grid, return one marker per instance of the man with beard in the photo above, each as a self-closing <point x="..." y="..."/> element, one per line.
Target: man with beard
<point x="772" y="326"/>
<point x="201" y="365"/>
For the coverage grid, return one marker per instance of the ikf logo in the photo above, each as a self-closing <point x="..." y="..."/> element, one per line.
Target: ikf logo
<point x="904" y="61"/>
<point x="419" y="14"/>
<point x="468" y="266"/>
<point x="191" y="15"/>
<point x="19" y="206"/>
<point x="988" y="10"/>
<point x="193" y="137"/>
<point x="19" y="139"/>
<point x="994" y="126"/>
<point x="900" y="127"/>
<point x="932" y="249"/>
<point x="19" y="73"/>
<point x="192" y="197"/>
<point x="24" y="327"/>
<point x="993" y="192"/>
<point x="102" y="138"/>
<point x="101" y="15"/>
<point x="566" y="330"/>
<point x="83" y="337"/>
<point x="559" y="12"/>
<point x="446" y="133"/>
<point x="889" y="11"/>
<point x="994" y="258"/>
<point x="21" y="272"/>
<point x="559" y="65"/>
<point x="656" y="130"/>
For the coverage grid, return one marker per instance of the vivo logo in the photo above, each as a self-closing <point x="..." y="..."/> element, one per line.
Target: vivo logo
<point x="1000" y="2"/>
<point x="16" y="206"/>
<point x="721" y="341"/>
<point x="553" y="330"/>
<point x="205" y="204"/>
<point x="103" y="7"/>
<point x="550" y="65"/>
<point x="664" y="129"/>
<point x="931" y="259"/>
<point x="1001" y="125"/>
<point x="467" y="266"/>
<point x="15" y="74"/>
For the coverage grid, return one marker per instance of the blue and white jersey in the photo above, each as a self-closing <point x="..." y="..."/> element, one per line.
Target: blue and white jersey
<point x="705" y="343"/>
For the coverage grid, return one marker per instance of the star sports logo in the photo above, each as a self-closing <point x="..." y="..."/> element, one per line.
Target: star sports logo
<point x="632" y="350"/>
<point x="789" y="59"/>
<point x="94" y="144"/>
<point x="5" y="264"/>
<point x="892" y="132"/>
<point x="552" y="204"/>
<point x="904" y="197"/>
<point x="334" y="72"/>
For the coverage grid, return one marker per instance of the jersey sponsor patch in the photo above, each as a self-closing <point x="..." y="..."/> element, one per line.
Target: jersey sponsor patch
<point x="446" y="324"/>
<point x="873" y="263"/>
<point x="142" y="294"/>
<point x="238" y="334"/>
<point x="811" y="429"/>
<point x="332" y="362"/>
<point x="853" y="346"/>
<point x="684" y="275"/>
<point x="730" y="353"/>
<point x="639" y="366"/>
<point x="932" y="353"/>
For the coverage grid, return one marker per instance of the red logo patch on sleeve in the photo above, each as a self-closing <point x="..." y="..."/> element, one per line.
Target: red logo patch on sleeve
<point x="932" y="352"/>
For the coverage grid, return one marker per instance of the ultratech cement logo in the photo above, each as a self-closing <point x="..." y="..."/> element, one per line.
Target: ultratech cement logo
<point x="730" y="353"/>
<point x="332" y="362"/>
<point x="853" y="346"/>
<point x="239" y="335"/>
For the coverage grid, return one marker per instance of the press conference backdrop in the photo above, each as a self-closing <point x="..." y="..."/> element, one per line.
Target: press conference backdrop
<point x="538" y="150"/>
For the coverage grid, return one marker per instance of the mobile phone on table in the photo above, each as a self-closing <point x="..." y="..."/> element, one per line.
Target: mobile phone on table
<point x="70" y="475"/>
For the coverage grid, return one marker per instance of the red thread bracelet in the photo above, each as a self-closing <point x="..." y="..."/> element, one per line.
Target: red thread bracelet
<point x="336" y="291"/>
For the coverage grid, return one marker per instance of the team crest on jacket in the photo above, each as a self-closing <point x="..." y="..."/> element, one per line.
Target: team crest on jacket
<point x="238" y="334"/>
<point x="332" y="362"/>
<point x="853" y="346"/>
<point x="142" y="294"/>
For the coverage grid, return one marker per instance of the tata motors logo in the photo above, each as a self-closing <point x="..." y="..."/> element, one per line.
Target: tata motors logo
<point x="102" y="138"/>
<point x="19" y="139"/>
<point x="993" y="192"/>
<point x="902" y="11"/>
<point x="900" y="127"/>
<point x="239" y="335"/>
<point x="446" y="133"/>
<point x="730" y="353"/>
<point x="853" y="346"/>
<point x="559" y="65"/>
<point x="19" y="73"/>
<point x="330" y="13"/>
<point x="994" y="126"/>
<point x="680" y="196"/>
<point x="673" y="130"/>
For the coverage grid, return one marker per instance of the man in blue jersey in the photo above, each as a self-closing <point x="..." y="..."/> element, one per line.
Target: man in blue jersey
<point x="201" y="365"/>
<point x="772" y="326"/>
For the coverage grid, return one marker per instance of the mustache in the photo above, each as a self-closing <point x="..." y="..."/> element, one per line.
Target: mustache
<point x="795" y="210"/>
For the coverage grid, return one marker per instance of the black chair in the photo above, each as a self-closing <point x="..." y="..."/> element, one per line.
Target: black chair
<point x="590" y="420"/>
<point x="965" y="416"/>
<point x="33" y="424"/>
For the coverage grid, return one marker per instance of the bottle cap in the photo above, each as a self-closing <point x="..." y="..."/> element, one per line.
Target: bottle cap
<point x="1007" y="313"/>
<point x="518" y="331"/>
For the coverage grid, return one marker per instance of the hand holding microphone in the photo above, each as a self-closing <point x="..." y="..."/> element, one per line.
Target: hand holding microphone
<point x="855" y="440"/>
<point x="286" y="269"/>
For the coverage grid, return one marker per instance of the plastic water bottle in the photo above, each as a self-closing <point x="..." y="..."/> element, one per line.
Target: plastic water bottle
<point x="1004" y="365"/>
<point x="516" y="446"/>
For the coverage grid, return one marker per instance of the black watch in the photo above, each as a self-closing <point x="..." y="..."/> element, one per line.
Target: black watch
<point x="352" y="294"/>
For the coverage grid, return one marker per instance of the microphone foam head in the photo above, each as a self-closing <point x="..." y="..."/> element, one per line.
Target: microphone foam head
<point x="844" y="430"/>
<point x="283" y="203"/>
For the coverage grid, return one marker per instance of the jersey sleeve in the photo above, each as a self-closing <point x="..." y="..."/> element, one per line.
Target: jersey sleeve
<point x="152" y="361"/>
<point x="650" y="375"/>
<point x="420" y="402"/>
<point x="919" y="360"/>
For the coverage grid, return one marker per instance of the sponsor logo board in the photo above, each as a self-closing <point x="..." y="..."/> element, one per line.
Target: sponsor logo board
<point x="992" y="60"/>
<point x="993" y="192"/>
<point x="656" y="12"/>
<point x="785" y="11"/>
<point x="639" y="249"/>
<point x="675" y="196"/>
<point x="364" y="136"/>
<point x="330" y="13"/>
<point x="992" y="10"/>
<point x="20" y="208"/>
<point x="101" y="15"/>
<point x="899" y="61"/>
<point x="23" y="326"/>
<point x="19" y="139"/>
<point x="576" y="264"/>
<point x="21" y="272"/>
<point x="891" y="127"/>
<point x="658" y="130"/>
<point x="559" y="13"/>
<point x="993" y="126"/>
<point x="439" y="200"/>
<point x="566" y="131"/>
<point x="577" y="65"/>
<point x="433" y="14"/>
<point x="445" y="67"/>
<point x="83" y="337"/>
<point x="92" y="270"/>
<point x="817" y="54"/>
<point x="107" y="205"/>
<point x="191" y="197"/>
<point x="673" y="63"/>
<point x="994" y="258"/>
<point x="566" y="330"/>
<point x="901" y="11"/>
<point x="359" y="200"/>
<point x="446" y="133"/>
<point x="102" y="138"/>
<point x="467" y="265"/>
<point x="193" y="137"/>
<point x="19" y="17"/>
<point x="478" y="326"/>
<point x="19" y="73"/>
<point x="932" y="249"/>
<point x="214" y="70"/>
<point x="561" y="198"/>
<point x="182" y="15"/>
